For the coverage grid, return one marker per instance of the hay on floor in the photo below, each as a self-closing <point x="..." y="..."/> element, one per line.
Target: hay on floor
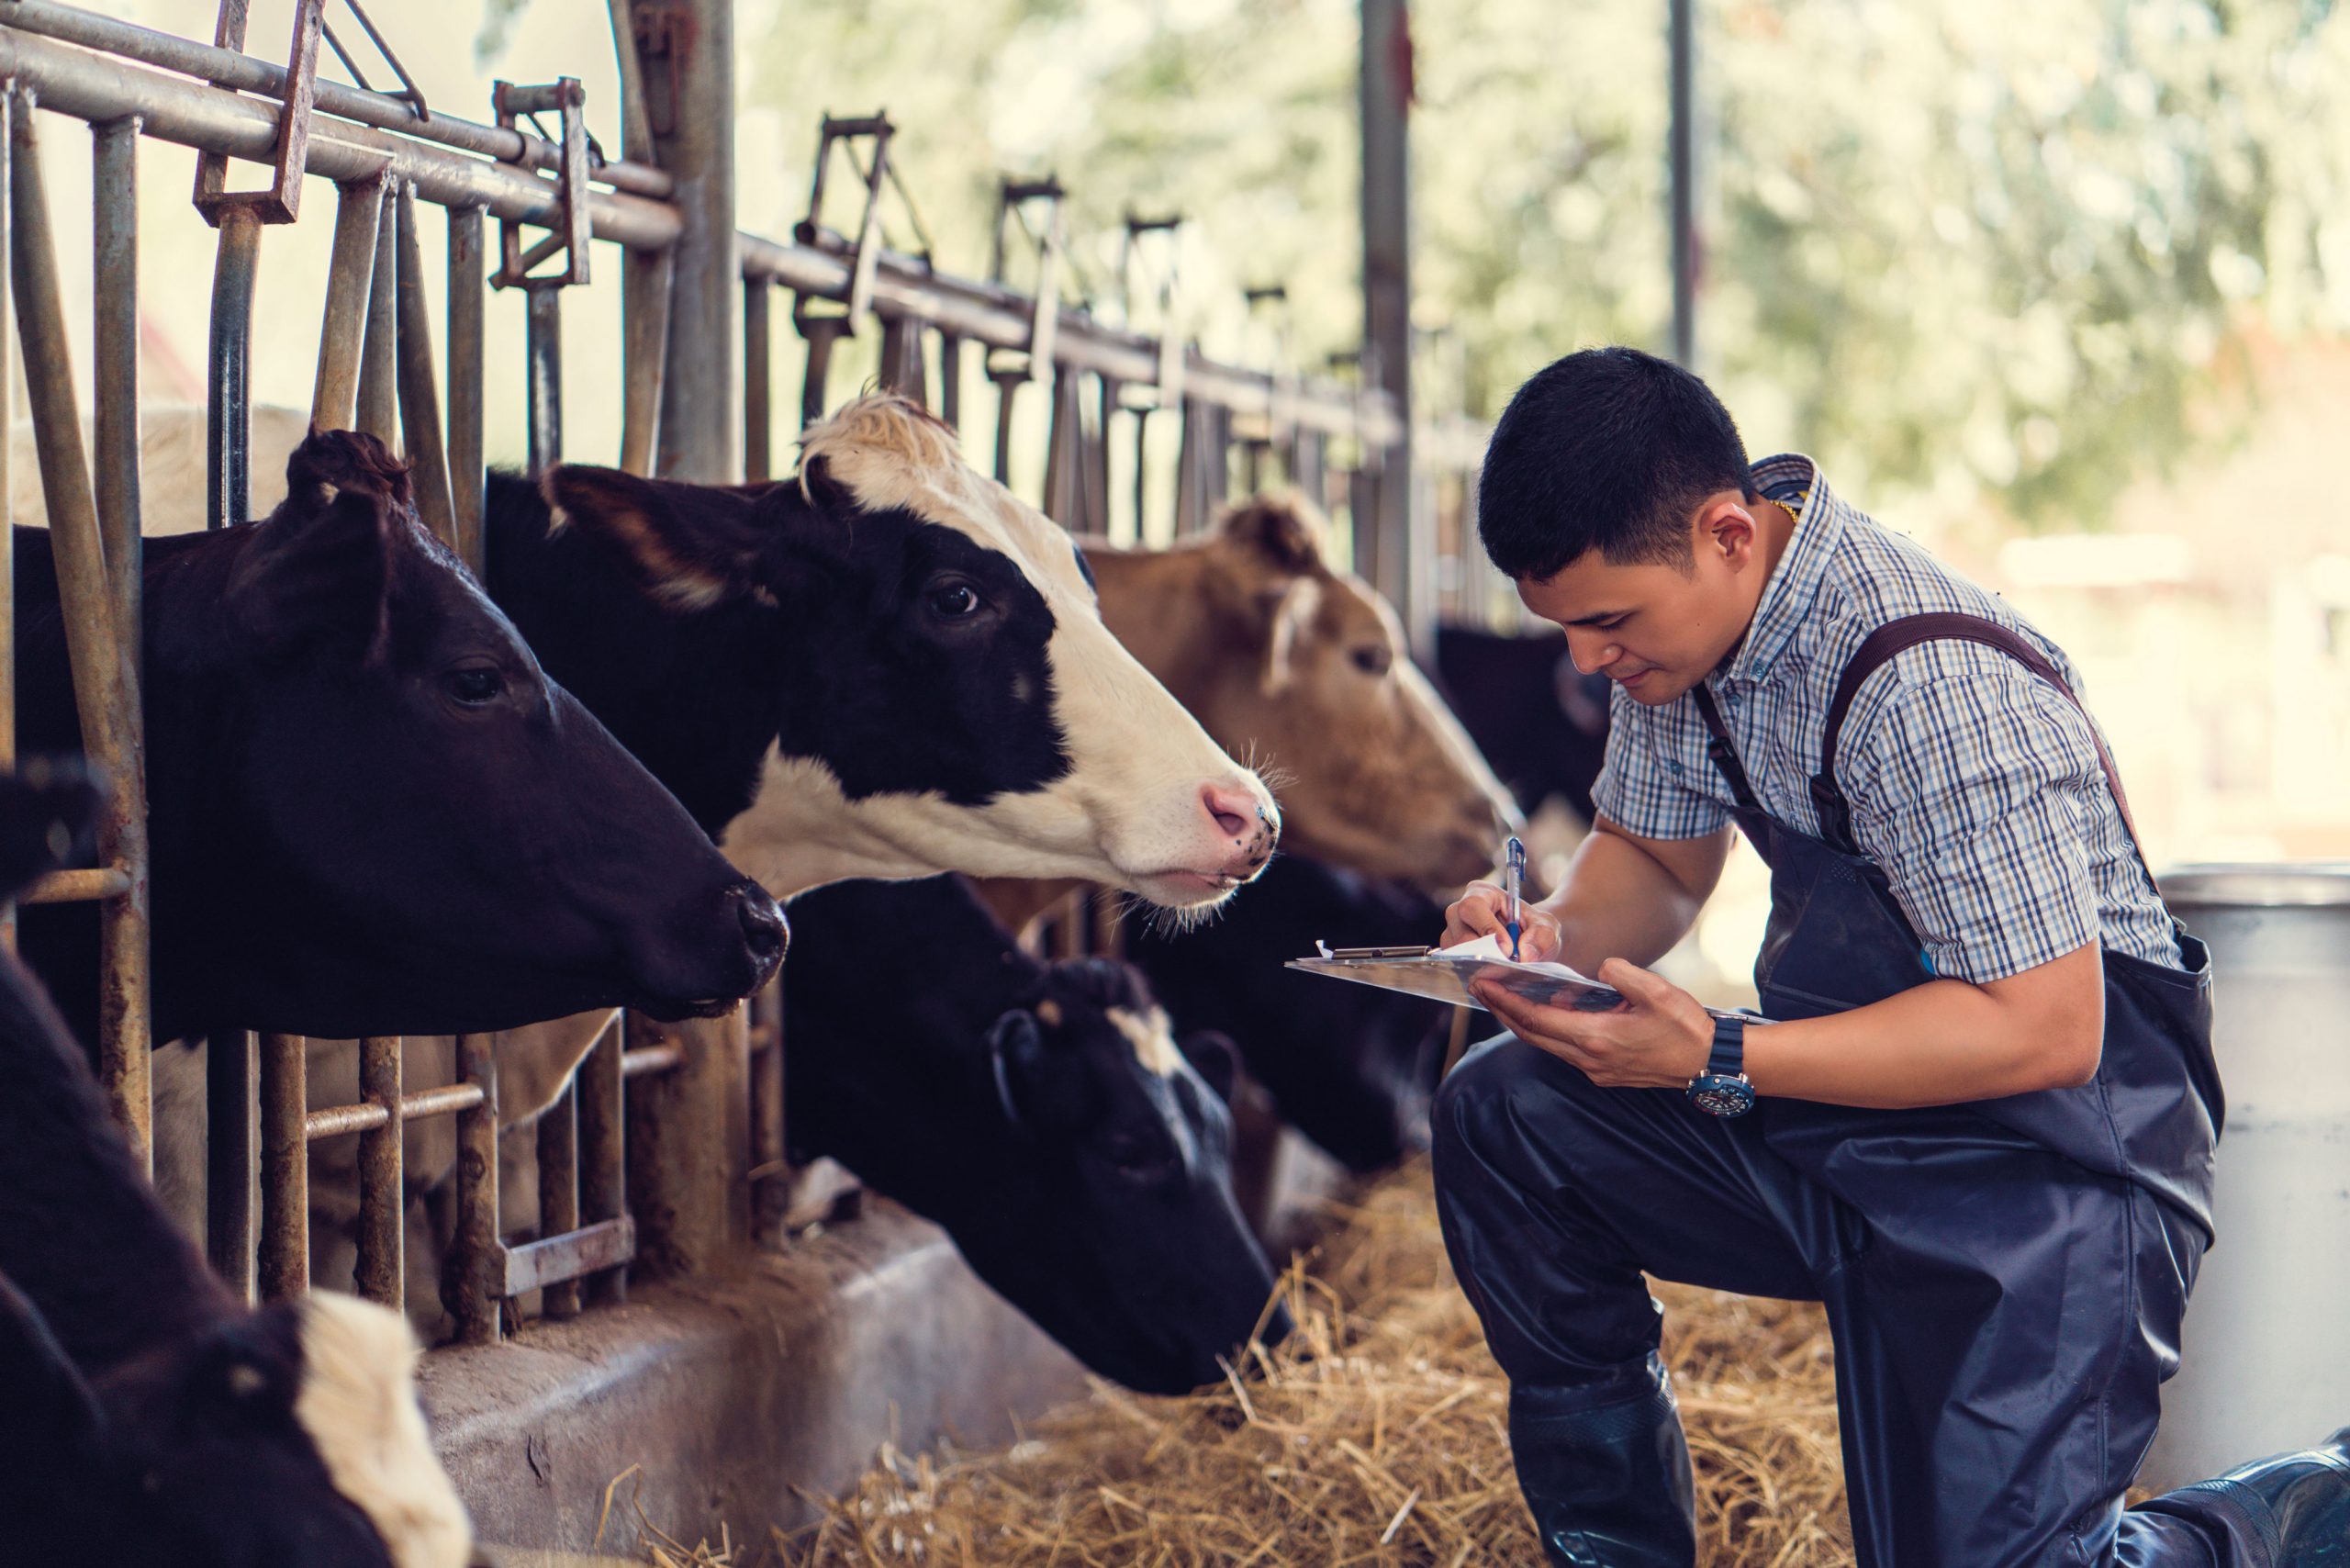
<point x="1374" y="1436"/>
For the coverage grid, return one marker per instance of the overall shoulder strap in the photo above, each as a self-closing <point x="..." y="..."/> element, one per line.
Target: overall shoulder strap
<point x="1896" y="637"/>
<point x="1725" y="754"/>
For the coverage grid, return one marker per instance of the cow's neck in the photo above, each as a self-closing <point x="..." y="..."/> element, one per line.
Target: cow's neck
<point x="81" y="1232"/>
<point x="800" y="832"/>
<point x="694" y="697"/>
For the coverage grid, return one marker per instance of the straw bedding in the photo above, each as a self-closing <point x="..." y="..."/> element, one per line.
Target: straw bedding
<point x="1374" y="1436"/>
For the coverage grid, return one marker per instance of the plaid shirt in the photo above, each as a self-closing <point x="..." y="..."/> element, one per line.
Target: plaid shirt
<point x="1974" y="785"/>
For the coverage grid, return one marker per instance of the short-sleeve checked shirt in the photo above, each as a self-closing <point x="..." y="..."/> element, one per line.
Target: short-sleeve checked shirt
<point x="1974" y="785"/>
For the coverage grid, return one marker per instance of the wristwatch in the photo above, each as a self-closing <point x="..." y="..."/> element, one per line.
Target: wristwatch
<point x="1722" y="1089"/>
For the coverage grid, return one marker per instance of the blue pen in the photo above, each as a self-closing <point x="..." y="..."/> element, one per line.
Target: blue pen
<point x="1514" y="884"/>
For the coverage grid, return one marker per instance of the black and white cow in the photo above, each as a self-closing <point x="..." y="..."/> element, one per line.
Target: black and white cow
<point x="147" y="1417"/>
<point x="1540" y="721"/>
<point x="370" y="812"/>
<point x="1352" y="1066"/>
<point x="1042" y="1114"/>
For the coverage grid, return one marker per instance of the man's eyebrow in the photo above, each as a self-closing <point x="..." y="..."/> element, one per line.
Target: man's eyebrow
<point x="1594" y="618"/>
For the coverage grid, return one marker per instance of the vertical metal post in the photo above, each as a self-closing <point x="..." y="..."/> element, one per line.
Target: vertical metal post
<point x="758" y="379"/>
<point x="106" y="689"/>
<point x="695" y="145"/>
<point x="644" y="347"/>
<point x="544" y="350"/>
<point x="1683" y="44"/>
<point x="420" y="382"/>
<point x="950" y="379"/>
<point x="1386" y="72"/>
<point x="467" y="283"/>
<point x="8" y="110"/>
<point x="1063" y="454"/>
<point x="233" y="1070"/>
<point x="351" y="275"/>
<point x="822" y="333"/>
<point x="473" y="1284"/>
<point x="558" y="1135"/>
<point x="603" y="1173"/>
<point x="114" y="187"/>
<point x="383" y="1198"/>
<point x="689" y="1139"/>
<point x="285" y="1167"/>
<point x="902" y="371"/>
<point x="379" y="413"/>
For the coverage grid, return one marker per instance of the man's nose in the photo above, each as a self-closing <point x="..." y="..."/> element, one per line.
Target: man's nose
<point x="1592" y="654"/>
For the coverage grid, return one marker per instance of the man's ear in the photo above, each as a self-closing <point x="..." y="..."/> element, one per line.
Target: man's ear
<point x="315" y="577"/>
<point x="693" y="546"/>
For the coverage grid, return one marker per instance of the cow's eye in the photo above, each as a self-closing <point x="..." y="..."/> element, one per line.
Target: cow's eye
<point x="476" y="686"/>
<point x="1373" y="658"/>
<point x="954" y="601"/>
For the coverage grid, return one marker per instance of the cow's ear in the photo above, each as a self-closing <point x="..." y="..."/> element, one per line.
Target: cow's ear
<point x="1015" y="1060"/>
<point x="315" y="574"/>
<point x="1285" y="613"/>
<point x="1215" y="1057"/>
<point x="1279" y="529"/>
<point x="46" y="811"/>
<point x="694" y="546"/>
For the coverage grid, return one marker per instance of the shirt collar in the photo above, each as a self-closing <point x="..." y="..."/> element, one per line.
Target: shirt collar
<point x="1786" y="600"/>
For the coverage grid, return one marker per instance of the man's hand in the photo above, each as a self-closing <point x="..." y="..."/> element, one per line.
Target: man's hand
<point x="1483" y="908"/>
<point x="1660" y="1037"/>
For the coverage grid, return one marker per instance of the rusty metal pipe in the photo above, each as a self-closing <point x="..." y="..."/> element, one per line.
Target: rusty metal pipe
<point x="380" y="412"/>
<point x="467" y="284"/>
<point x="420" y="383"/>
<point x="350" y="277"/>
<point x="544" y="354"/>
<point x="7" y="535"/>
<point x="472" y="1283"/>
<point x="603" y="1170"/>
<point x="79" y="886"/>
<point x="645" y="353"/>
<point x="383" y="1198"/>
<point x="759" y="380"/>
<point x="114" y="197"/>
<point x="558" y="1137"/>
<point x="284" y="1169"/>
<point x="334" y="1121"/>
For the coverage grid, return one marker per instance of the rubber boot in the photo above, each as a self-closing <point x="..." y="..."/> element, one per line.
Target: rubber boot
<point x="1605" y="1471"/>
<point x="2292" y="1511"/>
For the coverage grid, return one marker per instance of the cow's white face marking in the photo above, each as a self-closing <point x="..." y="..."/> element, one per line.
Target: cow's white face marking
<point x="357" y="1403"/>
<point x="1129" y="812"/>
<point x="1152" y="1037"/>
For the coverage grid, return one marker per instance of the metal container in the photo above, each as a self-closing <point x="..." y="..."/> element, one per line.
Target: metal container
<point x="2263" y="1369"/>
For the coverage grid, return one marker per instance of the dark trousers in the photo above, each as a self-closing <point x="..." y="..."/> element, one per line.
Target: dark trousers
<point x="2003" y="1318"/>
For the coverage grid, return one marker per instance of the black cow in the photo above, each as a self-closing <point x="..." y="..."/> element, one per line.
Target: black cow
<point x="1042" y="1114"/>
<point x="1349" y="1066"/>
<point x="1540" y="721"/>
<point x="146" y="1417"/>
<point x="370" y="813"/>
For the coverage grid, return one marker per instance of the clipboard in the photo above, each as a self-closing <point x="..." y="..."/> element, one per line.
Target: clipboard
<point x="1444" y="973"/>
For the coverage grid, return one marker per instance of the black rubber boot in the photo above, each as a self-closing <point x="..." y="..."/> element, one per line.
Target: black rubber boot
<point x="1605" y="1471"/>
<point x="2292" y="1511"/>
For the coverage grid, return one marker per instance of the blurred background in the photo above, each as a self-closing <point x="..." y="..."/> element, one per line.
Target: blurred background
<point x="2061" y="287"/>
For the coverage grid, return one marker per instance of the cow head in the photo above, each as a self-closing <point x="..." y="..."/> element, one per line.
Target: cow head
<point x="942" y="692"/>
<point x="416" y="831"/>
<point x="1133" y="1253"/>
<point x="1303" y="671"/>
<point x="287" y="1435"/>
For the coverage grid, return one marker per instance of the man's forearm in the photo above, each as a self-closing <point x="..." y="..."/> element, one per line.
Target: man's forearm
<point x="1621" y="901"/>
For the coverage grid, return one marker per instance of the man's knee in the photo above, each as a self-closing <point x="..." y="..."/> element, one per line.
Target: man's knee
<point x="1499" y="1095"/>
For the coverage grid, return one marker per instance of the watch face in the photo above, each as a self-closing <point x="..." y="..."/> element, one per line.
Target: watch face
<point x="1723" y="1096"/>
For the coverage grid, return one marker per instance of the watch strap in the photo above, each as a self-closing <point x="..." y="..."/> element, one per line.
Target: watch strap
<point x="1729" y="1057"/>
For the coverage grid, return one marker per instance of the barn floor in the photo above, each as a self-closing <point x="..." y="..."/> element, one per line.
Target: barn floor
<point x="1374" y="1436"/>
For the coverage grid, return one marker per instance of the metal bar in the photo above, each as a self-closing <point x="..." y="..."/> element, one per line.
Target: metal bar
<point x="385" y="111"/>
<point x="950" y="379"/>
<point x="106" y="687"/>
<point x="98" y="87"/>
<point x="351" y="282"/>
<point x="414" y="93"/>
<point x="1386" y="95"/>
<point x="1007" y="389"/>
<point x="645" y="349"/>
<point x="428" y="454"/>
<point x="603" y="1169"/>
<point x="768" y="1144"/>
<point x="902" y="370"/>
<point x="699" y="421"/>
<point x="468" y="278"/>
<point x="543" y="1265"/>
<point x="379" y="408"/>
<point x="638" y="1060"/>
<point x="334" y="1121"/>
<point x="113" y="194"/>
<point x="8" y="110"/>
<point x="558" y="1133"/>
<point x="78" y="886"/>
<point x="822" y="333"/>
<point x="759" y="379"/>
<point x="636" y="123"/>
<point x="689" y="1144"/>
<point x="227" y="391"/>
<point x="231" y="1070"/>
<point x="383" y="1198"/>
<point x="281" y="200"/>
<point x="544" y="352"/>
<point x="473" y="1282"/>
<point x="285" y="1170"/>
<point x="1682" y="43"/>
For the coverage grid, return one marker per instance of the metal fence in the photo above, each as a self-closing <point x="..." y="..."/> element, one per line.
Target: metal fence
<point x="626" y="1175"/>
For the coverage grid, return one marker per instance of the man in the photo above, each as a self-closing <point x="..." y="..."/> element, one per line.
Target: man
<point x="1982" y="1134"/>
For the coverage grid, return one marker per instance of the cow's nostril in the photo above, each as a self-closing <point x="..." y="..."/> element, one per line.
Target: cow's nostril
<point x="1235" y="811"/>
<point x="765" y="934"/>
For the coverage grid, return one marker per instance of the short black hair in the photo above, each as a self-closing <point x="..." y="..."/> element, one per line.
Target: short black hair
<point x="1608" y="450"/>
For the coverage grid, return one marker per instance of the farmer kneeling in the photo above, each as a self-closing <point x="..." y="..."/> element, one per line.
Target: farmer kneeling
<point x="1982" y="1137"/>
